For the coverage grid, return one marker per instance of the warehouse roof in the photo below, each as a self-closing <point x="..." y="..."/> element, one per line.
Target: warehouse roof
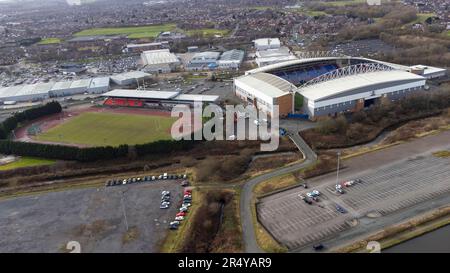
<point x="81" y="83"/>
<point x="99" y="82"/>
<point x="160" y="56"/>
<point x="25" y="90"/>
<point x="193" y="97"/>
<point x="130" y="75"/>
<point x="208" y="55"/>
<point x="232" y="55"/>
<point x="267" y="42"/>
<point x="337" y="86"/>
<point x="61" y="85"/>
<point x="267" y="84"/>
<point x="141" y="94"/>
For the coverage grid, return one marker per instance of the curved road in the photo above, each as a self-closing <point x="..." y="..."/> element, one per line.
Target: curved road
<point x="248" y="231"/>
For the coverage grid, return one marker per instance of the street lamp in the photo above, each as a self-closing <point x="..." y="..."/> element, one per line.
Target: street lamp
<point x="337" y="170"/>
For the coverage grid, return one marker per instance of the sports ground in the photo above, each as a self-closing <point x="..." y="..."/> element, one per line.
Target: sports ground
<point x="109" y="129"/>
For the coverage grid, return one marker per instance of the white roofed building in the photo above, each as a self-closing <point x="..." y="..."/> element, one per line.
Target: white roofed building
<point x="265" y="90"/>
<point x="159" y="61"/>
<point x="267" y="43"/>
<point x="129" y="78"/>
<point x="352" y="92"/>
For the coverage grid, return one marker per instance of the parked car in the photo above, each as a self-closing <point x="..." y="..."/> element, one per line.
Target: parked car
<point x="318" y="247"/>
<point x="304" y="185"/>
<point x="184" y="183"/>
<point x="308" y="201"/>
<point x="181" y="213"/>
<point x="179" y="218"/>
<point x="124" y="182"/>
<point x="340" y="209"/>
<point x="164" y="206"/>
<point x="160" y="177"/>
<point x="315" y="192"/>
<point x="173" y="227"/>
<point x="175" y="223"/>
<point x="186" y="204"/>
<point x="183" y="209"/>
<point x="184" y="176"/>
<point x="165" y="193"/>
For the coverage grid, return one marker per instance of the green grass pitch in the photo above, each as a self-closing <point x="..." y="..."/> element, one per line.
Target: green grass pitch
<point x="109" y="129"/>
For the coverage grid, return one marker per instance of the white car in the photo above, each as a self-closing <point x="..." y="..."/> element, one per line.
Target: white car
<point x="153" y="177"/>
<point x="309" y="195"/>
<point x="349" y="183"/>
<point x="124" y="182"/>
<point x="183" y="209"/>
<point x="165" y="193"/>
<point x="179" y="218"/>
<point x="175" y="223"/>
<point x="316" y="192"/>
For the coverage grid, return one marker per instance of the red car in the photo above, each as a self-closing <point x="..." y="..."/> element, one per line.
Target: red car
<point x="187" y="192"/>
<point x="181" y="214"/>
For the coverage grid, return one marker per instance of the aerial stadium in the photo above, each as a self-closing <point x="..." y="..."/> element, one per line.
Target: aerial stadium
<point x="331" y="84"/>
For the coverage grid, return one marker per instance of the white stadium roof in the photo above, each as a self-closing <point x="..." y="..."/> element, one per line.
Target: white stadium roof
<point x="161" y="56"/>
<point x="141" y="94"/>
<point x="193" y="97"/>
<point x="307" y="60"/>
<point x="336" y="86"/>
<point x="267" y="84"/>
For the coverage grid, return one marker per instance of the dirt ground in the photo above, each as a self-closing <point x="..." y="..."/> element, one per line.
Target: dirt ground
<point x="93" y="217"/>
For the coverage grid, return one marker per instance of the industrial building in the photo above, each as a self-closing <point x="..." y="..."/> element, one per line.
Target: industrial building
<point x="331" y="85"/>
<point x="33" y="92"/>
<point x="203" y="61"/>
<point x="267" y="43"/>
<point x="159" y="61"/>
<point x="264" y="90"/>
<point x="129" y="78"/>
<point x="273" y="56"/>
<point x="99" y="85"/>
<point x="42" y="91"/>
<point x="231" y="59"/>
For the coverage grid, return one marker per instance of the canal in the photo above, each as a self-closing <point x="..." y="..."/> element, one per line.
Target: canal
<point x="431" y="242"/>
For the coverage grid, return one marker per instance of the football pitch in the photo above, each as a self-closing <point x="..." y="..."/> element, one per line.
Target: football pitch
<point x="109" y="129"/>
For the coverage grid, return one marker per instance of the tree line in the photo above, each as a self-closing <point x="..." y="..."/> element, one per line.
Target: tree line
<point x="11" y="123"/>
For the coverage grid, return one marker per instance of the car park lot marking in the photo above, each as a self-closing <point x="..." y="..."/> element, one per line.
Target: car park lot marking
<point x="385" y="190"/>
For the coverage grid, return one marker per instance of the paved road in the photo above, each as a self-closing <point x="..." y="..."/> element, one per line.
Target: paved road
<point x="251" y="246"/>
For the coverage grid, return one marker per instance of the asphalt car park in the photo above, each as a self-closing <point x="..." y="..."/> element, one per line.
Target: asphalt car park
<point x="381" y="191"/>
<point x="97" y="218"/>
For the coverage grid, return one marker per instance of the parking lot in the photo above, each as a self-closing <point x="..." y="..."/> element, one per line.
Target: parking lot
<point x="384" y="190"/>
<point x="93" y="216"/>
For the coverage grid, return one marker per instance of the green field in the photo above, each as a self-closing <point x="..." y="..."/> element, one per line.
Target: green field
<point x="108" y="129"/>
<point x="131" y="32"/>
<point x="26" y="162"/>
<point x="208" y="32"/>
<point x="47" y="41"/>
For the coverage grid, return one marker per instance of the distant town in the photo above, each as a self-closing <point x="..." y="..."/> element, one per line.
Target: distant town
<point x="357" y="95"/>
